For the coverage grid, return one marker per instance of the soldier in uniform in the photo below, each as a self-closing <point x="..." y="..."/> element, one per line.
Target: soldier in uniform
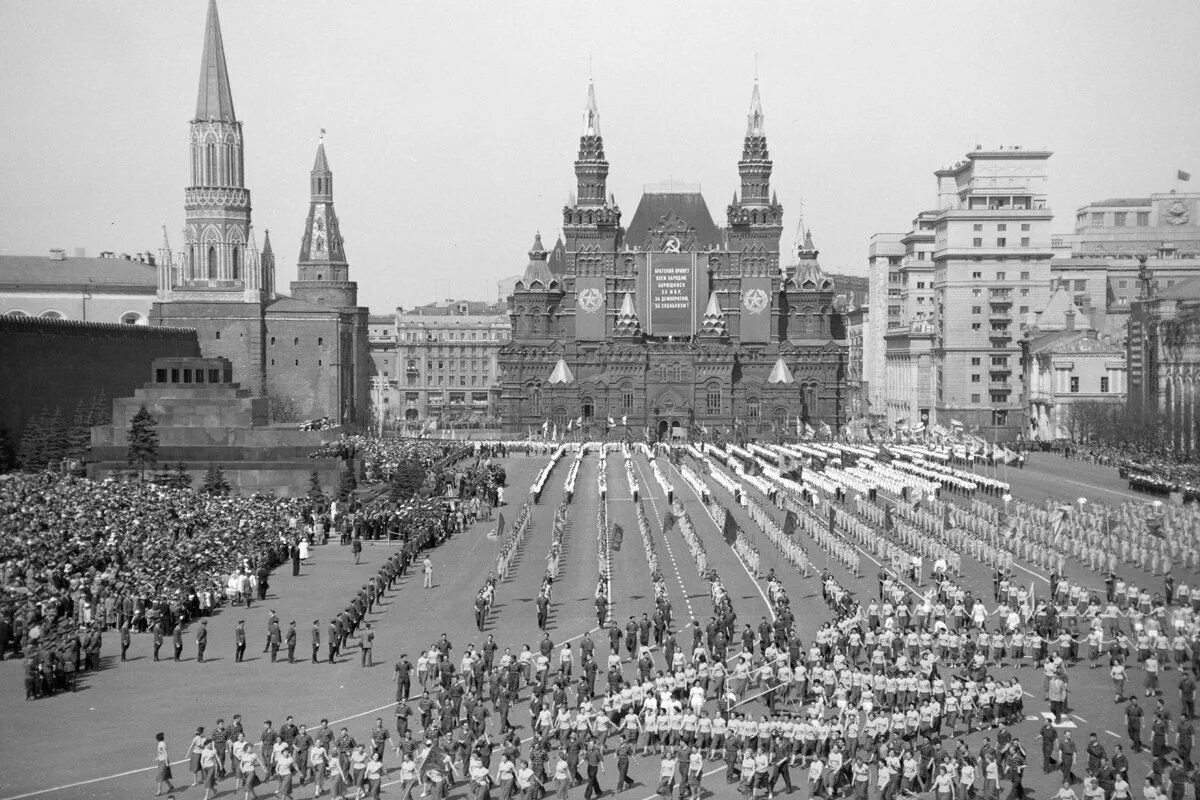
<point x="274" y="639"/>
<point x="158" y="637"/>
<point x="125" y="638"/>
<point x="239" y="641"/>
<point x="316" y="640"/>
<point x="290" y="641"/>
<point x="177" y="640"/>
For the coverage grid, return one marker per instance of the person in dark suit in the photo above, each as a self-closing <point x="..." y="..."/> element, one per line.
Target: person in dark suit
<point x="201" y="640"/>
<point x="274" y="640"/>
<point x="158" y="638"/>
<point x="125" y="639"/>
<point x="177" y="640"/>
<point x="316" y="640"/>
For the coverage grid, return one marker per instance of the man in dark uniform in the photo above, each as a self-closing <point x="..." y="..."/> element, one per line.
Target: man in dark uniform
<point x="316" y="640"/>
<point x="272" y="623"/>
<point x="274" y="639"/>
<point x="334" y="636"/>
<point x="290" y="641"/>
<point x="295" y="559"/>
<point x="177" y="640"/>
<point x="239" y="640"/>
<point x="543" y="610"/>
<point x="158" y="637"/>
<point x="595" y="758"/>
<point x="403" y="675"/>
<point x="125" y="639"/>
<point x="1133" y="724"/>
<point x="201" y="640"/>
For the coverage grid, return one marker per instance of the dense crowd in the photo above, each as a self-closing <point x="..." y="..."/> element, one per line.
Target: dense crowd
<point x="81" y="558"/>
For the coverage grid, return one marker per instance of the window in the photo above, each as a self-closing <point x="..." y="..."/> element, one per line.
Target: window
<point x="976" y="309"/>
<point x="974" y="361"/>
<point x="131" y="318"/>
<point x="975" y="326"/>
<point x="1143" y="218"/>
<point x="1001" y="241"/>
<point x="712" y="399"/>
<point x="1097" y="217"/>
<point x="1074" y="384"/>
<point x="975" y="377"/>
<point x="1081" y="286"/>
<point x="977" y="275"/>
<point x="1119" y="219"/>
<point x="998" y="397"/>
<point x="296" y="343"/>
<point x="1104" y="384"/>
<point x="977" y="227"/>
<point x="977" y="242"/>
<point x="237" y="262"/>
<point x="626" y="398"/>
<point x="999" y="416"/>
<point x="1001" y="276"/>
<point x="272" y="341"/>
<point x="1122" y="284"/>
<point x="1024" y="276"/>
<point x="1024" y="226"/>
<point x="976" y="293"/>
<point x="974" y="398"/>
<point x="1001" y="227"/>
<point x="212" y="263"/>
<point x="1024" y="309"/>
<point x="999" y="361"/>
<point x="753" y="409"/>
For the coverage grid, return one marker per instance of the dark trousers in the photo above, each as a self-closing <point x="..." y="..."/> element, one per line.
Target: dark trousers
<point x="178" y="651"/>
<point x="291" y="654"/>
<point x="316" y="651"/>
<point x="156" y="646"/>
<point x="239" y="652"/>
<point x="593" y="782"/>
<point x="124" y="650"/>
<point x="623" y="781"/>
<point x="200" y="652"/>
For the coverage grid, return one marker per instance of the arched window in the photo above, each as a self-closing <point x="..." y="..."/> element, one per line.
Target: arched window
<point x="16" y="312"/>
<point x="51" y="314"/>
<point x="712" y="398"/>
<point x="296" y="343"/>
<point x="810" y="399"/>
<point x="535" y="397"/>
<point x="131" y="318"/>
<point x="210" y="168"/>
<point x="626" y="396"/>
<point x="237" y="262"/>
<point x="781" y="417"/>
<point x="588" y="408"/>
<point x="535" y="322"/>
<point x="753" y="408"/>
<point x="212" y="263"/>
<point x="559" y="418"/>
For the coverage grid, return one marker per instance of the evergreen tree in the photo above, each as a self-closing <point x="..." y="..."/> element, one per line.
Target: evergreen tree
<point x="214" y="481"/>
<point x="181" y="478"/>
<point x="314" y="487"/>
<point x="32" y="453"/>
<point x="143" y="441"/>
<point x="7" y="457"/>
<point x="348" y="482"/>
<point x="81" y="431"/>
<point x="101" y="411"/>
<point x="58" y="439"/>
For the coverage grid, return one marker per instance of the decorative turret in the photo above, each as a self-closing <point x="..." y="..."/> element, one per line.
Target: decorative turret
<point x="538" y="276"/>
<point x="713" y="324"/>
<point x="590" y="215"/>
<point x="322" y="270"/>
<point x="628" y="325"/>
<point x="216" y="257"/>
<point x="756" y="218"/>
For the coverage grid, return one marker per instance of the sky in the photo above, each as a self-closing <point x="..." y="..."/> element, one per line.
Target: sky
<point x="452" y="126"/>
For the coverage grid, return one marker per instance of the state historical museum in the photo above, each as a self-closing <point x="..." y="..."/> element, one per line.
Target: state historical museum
<point x="673" y="324"/>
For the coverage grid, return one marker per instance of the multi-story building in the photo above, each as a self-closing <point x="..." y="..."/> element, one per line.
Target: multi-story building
<point x="1070" y="372"/>
<point x="438" y="361"/>
<point x="1163" y="349"/>
<point x="1099" y="262"/>
<point x="885" y="312"/>
<point x="307" y="353"/>
<point x="857" y="390"/>
<point x="673" y="323"/>
<point x="111" y="288"/>
<point x="991" y="259"/>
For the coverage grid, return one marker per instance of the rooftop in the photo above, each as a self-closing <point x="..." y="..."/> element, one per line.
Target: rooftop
<point x="34" y="271"/>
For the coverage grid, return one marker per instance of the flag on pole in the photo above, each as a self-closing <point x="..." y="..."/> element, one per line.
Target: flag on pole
<point x="730" y="530"/>
<point x="570" y="424"/>
<point x="1183" y="176"/>
<point x="499" y="532"/>
<point x="618" y="535"/>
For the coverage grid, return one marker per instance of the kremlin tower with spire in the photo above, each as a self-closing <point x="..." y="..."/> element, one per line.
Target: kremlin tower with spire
<point x="306" y="353"/>
<point x="672" y="326"/>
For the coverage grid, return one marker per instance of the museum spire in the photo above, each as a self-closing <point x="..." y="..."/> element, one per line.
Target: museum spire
<point x="591" y="114"/>
<point x="754" y="120"/>
<point x="591" y="167"/>
<point x="214" y="100"/>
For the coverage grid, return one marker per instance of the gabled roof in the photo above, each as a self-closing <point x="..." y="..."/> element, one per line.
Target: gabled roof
<point x="690" y="207"/>
<point x="214" y="99"/>
<point x="1054" y="316"/>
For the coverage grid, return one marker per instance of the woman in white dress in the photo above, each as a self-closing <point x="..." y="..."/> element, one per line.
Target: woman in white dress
<point x="303" y="549"/>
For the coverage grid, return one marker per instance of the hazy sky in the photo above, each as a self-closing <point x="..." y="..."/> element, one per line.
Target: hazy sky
<point x="452" y="126"/>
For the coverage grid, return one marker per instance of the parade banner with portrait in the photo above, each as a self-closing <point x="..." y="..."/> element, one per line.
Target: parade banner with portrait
<point x="591" y="308"/>
<point x="756" y="310"/>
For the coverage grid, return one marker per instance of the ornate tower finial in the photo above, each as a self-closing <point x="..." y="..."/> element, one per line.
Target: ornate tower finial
<point x="323" y="272"/>
<point x="591" y="113"/>
<point x="214" y="101"/>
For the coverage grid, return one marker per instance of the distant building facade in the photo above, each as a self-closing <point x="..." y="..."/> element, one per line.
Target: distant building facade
<point x="1164" y="358"/>
<point x="1068" y="369"/>
<point x="438" y="362"/>
<point x="672" y="323"/>
<point x="112" y="288"/>
<point x="308" y="353"/>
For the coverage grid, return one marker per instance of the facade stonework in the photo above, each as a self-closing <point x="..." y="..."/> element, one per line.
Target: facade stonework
<point x="672" y="323"/>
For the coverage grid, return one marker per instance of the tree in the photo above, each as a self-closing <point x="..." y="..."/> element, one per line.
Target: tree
<point x="58" y="439"/>
<point x="7" y="459"/>
<point x="143" y="441"/>
<point x="214" y="481"/>
<point x="32" y="451"/>
<point x="181" y="478"/>
<point x="348" y="482"/>
<point x="314" y="487"/>
<point x="406" y="480"/>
